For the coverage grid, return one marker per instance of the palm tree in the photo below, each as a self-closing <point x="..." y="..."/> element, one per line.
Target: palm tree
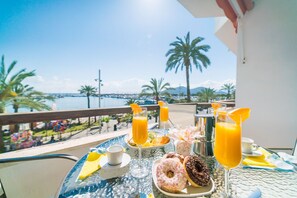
<point x="233" y="94"/>
<point x="88" y="90"/>
<point x="230" y="88"/>
<point x="130" y="101"/>
<point x="40" y="99"/>
<point x="156" y="88"/>
<point x="27" y="97"/>
<point x="7" y="81"/>
<point x="186" y="53"/>
<point x="206" y="94"/>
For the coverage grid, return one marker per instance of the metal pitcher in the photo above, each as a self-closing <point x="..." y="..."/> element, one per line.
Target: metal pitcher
<point x="203" y="145"/>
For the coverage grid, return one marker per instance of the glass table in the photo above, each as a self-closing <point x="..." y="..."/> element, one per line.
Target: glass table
<point x="243" y="181"/>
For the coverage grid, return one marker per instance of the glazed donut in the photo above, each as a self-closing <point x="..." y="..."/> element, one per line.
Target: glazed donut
<point x="197" y="172"/>
<point x="174" y="155"/>
<point x="171" y="175"/>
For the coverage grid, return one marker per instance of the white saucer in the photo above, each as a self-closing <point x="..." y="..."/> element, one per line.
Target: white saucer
<point x="256" y="153"/>
<point x="108" y="171"/>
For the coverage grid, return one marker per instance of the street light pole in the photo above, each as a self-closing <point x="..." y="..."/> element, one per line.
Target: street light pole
<point x="99" y="88"/>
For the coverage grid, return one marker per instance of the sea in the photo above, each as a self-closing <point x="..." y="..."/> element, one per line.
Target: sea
<point x="75" y="103"/>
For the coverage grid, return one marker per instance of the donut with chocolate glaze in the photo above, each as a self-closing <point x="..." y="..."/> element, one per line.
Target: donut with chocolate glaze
<point x="174" y="155"/>
<point x="197" y="172"/>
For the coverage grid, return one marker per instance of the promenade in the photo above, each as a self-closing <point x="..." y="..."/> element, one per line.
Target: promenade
<point x="180" y="115"/>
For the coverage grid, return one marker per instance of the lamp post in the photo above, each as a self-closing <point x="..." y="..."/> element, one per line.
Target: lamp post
<point x="179" y="94"/>
<point x="99" y="87"/>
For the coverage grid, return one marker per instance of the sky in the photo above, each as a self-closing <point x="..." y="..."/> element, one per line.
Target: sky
<point x="67" y="41"/>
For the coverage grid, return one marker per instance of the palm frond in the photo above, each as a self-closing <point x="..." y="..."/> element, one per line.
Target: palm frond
<point x="155" y="88"/>
<point x="10" y="68"/>
<point x="196" y="41"/>
<point x="204" y="48"/>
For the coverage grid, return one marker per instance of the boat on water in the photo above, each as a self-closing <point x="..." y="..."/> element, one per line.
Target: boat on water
<point x="146" y="102"/>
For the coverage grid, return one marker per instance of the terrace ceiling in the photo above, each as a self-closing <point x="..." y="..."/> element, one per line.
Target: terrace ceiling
<point x="221" y="10"/>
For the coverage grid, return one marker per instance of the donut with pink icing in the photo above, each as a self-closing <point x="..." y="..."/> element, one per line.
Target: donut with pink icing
<point x="174" y="155"/>
<point x="171" y="175"/>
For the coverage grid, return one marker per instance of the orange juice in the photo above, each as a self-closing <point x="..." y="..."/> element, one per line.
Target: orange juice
<point x="164" y="114"/>
<point x="139" y="130"/>
<point x="227" y="148"/>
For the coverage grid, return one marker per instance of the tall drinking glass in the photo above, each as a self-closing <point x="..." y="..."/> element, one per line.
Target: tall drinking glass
<point x="227" y="147"/>
<point x="140" y="136"/>
<point x="164" y="115"/>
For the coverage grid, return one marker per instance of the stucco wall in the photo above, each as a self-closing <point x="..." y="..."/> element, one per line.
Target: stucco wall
<point x="268" y="81"/>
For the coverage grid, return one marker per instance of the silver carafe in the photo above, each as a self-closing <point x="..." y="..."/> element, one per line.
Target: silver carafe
<point x="203" y="145"/>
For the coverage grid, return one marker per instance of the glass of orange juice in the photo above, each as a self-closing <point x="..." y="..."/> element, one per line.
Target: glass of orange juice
<point x="164" y="114"/>
<point x="140" y="136"/>
<point x="227" y="148"/>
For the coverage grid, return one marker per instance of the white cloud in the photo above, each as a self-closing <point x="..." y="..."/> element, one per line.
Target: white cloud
<point x="35" y="79"/>
<point x="56" y="84"/>
<point x="215" y="84"/>
<point x="132" y="85"/>
<point x="52" y="84"/>
<point x="209" y="83"/>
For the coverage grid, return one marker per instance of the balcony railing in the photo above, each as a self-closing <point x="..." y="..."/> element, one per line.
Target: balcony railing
<point x="17" y="118"/>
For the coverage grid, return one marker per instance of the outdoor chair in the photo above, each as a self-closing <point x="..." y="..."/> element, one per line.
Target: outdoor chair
<point x="38" y="157"/>
<point x="2" y="191"/>
<point x="30" y="158"/>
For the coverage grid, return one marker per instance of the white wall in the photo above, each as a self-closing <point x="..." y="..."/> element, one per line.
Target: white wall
<point x="225" y="31"/>
<point x="268" y="81"/>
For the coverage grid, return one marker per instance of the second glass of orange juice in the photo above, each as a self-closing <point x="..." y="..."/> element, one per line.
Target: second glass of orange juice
<point x="164" y="115"/>
<point x="227" y="147"/>
<point x="140" y="136"/>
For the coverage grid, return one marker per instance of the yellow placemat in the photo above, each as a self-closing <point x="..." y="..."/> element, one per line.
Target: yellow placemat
<point x="91" y="165"/>
<point x="259" y="161"/>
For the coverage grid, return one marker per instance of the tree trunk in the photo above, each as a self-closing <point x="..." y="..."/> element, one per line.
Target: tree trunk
<point x="31" y="124"/>
<point x="88" y="97"/>
<point x="157" y="98"/>
<point x="1" y="134"/>
<point x="89" y="120"/>
<point x="1" y="140"/>
<point x="16" y="110"/>
<point x="188" y="84"/>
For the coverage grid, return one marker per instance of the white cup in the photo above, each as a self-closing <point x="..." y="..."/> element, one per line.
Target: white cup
<point x="247" y="145"/>
<point x="115" y="154"/>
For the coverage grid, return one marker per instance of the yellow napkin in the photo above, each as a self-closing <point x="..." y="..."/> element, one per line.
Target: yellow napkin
<point x="91" y="165"/>
<point x="259" y="161"/>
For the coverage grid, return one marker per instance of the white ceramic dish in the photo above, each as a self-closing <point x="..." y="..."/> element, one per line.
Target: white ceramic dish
<point x="189" y="191"/>
<point x="143" y="148"/>
<point x="255" y="153"/>
<point x="108" y="171"/>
